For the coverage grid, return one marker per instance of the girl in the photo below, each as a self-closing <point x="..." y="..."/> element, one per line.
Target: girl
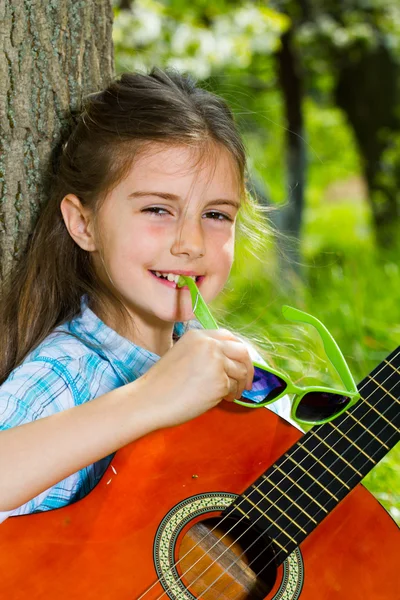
<point x="98" y="348"/>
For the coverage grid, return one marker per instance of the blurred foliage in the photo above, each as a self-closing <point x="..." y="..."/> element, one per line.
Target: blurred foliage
<point x="348" y="282"/>
<point x="363" y="25"/>
<point x="201" y="38"/>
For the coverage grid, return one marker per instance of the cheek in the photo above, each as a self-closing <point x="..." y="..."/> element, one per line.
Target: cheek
<point x="140" y="244"/>
<point x="223" y="247"/>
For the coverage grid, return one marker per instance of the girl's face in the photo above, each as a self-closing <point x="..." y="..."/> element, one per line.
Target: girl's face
<point x="169" y="216"/>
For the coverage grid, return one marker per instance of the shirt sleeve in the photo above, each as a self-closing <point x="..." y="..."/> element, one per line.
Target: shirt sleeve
<point x="33" y="390"/>
<point x="4" y="515"/>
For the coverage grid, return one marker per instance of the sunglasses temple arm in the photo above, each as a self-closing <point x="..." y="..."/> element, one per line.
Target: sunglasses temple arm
<point x="205" y="318"/>
<point x="332" y="350"/>
<point x="200" y="308"/>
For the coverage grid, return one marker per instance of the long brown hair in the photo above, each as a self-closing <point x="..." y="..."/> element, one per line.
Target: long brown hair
<point x="45" y="289"/>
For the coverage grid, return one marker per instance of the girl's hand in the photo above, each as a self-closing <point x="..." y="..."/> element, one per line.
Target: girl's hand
<point x="201" y="369"/>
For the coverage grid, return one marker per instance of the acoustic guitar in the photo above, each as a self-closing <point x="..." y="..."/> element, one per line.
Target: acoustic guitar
<point x="235" y="504"/>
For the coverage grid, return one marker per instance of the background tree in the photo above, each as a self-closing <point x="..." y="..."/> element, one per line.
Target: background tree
<point x="358" y="44"/>
<point x="51" y="55"/>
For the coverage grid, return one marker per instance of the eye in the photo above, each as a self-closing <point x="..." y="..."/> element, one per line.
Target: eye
<point x="218" y="216"/>
<point x="156" y="210"/>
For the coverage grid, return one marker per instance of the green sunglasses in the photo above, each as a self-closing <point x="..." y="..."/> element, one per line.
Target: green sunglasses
<point x="311" y="405"/>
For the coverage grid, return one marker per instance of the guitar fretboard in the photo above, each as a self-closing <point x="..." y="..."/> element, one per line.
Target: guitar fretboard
<point x="315" y="474"/>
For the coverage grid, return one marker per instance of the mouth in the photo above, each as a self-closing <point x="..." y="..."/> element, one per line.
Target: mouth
<point x="171" y="279"/>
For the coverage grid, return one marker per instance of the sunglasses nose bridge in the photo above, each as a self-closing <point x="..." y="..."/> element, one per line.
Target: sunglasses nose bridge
<point x="292" y="388"/>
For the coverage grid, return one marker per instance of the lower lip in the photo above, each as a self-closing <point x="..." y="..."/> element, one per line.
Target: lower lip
<point x="172" y="284"/>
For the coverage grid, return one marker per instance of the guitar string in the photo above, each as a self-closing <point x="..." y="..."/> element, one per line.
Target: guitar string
<point x="209" y="533"/>
<point x="254" y="542"/>
<point x="177" y="562"/>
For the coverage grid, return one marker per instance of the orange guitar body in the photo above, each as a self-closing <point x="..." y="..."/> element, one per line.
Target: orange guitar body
<point x="102" y="548"/>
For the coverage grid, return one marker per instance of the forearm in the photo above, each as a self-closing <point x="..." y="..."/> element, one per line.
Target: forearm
<point x="35" y="456"/>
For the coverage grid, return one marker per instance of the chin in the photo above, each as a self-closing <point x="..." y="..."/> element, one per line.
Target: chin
<point x="178" y="317"/>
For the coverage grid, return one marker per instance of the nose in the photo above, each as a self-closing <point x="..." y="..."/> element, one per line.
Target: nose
<point x="189" y="239"/>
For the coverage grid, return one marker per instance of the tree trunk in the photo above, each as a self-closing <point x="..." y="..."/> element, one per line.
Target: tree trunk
<point x="290" y="78"/>
<point x="51" y="55"/>
<point x="368" y="91"/>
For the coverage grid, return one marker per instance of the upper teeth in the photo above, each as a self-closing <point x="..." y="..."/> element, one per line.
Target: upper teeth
<point x="172" y="276"/>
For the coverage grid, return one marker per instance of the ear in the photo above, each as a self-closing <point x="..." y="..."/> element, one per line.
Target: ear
<point x="79" y="222"/>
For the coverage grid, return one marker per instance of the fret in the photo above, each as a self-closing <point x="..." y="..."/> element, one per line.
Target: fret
<point x="286" y="515"/>
<point x="276" y="502"/>
<point x="378" y="390"/>
<point x="340" y="456"/>
<point x="380" y="403"/>
<point x="303" y="491"/>
<point x="237" y="507"/>
<point x="275" y="526"/>
<point x="291" y="500"/>
<point x="315" y="480"/>
<point x="367" y="432"/>
<point x="329" y="458"/>
<point x="269" y="500"/>
<point x="392" y="366"/>
<point x="381" y="382"/>
<point x="374" y="403"/>
<point x="387" y="392"/>
<point x="324" y="466"/>
<point x="351" y="442"/>
<point x="312" y="476"/>
<point x="351" y="416"/>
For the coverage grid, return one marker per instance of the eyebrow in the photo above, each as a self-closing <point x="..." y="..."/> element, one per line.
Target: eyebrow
<point x="168" y="196"/>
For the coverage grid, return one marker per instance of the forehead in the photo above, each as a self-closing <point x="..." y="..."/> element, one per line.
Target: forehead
<point x="178" y="166"/>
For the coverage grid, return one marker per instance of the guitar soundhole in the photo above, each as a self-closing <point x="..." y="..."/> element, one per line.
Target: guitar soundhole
<point x="221" y="559"/>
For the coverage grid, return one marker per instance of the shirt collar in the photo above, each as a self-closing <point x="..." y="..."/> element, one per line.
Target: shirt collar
<point x="127" y="359"/>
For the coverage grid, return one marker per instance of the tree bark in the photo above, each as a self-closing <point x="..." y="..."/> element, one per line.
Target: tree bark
<point x="291" y="83"/>
<point x="51" y="55"/>
<point x="368" y="91"/>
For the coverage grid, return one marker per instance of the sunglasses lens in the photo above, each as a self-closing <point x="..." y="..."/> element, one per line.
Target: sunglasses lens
<point x="266" y="387"/>
<point x="318" y="406"/>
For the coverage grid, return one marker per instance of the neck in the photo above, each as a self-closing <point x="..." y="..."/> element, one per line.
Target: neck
<point x="155" y="337"/>
<point x="315" y="474"/>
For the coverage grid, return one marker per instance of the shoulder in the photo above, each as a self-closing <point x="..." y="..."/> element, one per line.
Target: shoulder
<point x="33" y="390"/>
<point x="60" y="373"/>
<point x="61" y="355"/>
<point x="62" y="346"/>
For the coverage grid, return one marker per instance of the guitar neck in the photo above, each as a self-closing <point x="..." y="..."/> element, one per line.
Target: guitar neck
<point x="294" y="495"/>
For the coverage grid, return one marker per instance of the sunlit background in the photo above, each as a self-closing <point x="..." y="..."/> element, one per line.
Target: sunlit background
<point x="316" y="94"/>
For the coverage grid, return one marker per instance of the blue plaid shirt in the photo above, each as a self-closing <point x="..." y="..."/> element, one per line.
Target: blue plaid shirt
<point x="79" y="361"/>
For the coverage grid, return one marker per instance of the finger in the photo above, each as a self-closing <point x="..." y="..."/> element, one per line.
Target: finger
<point x="237" y="373"/>
<point x="231" y="397"/>
<point x="234" y="348"/>
<point x="221" y="334"/>
<point x="237" y="351"/>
